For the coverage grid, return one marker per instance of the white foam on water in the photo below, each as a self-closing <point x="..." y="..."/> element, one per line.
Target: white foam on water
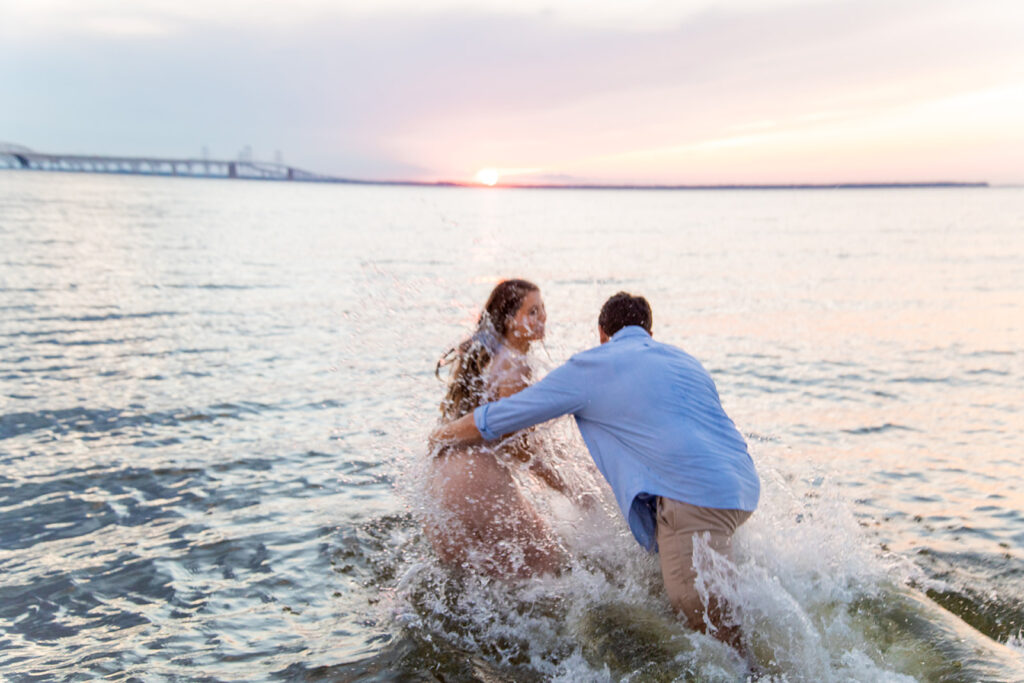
<point x="797" y="566"/>
<point x="815" y="599"/>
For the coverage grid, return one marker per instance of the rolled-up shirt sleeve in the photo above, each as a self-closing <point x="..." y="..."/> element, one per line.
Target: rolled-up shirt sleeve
<point x="561" y="392"/>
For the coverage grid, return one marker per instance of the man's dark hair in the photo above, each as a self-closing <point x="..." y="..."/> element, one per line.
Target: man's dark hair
<point x="624" y="309"/>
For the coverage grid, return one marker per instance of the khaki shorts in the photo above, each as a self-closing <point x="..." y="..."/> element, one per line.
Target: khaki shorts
<point x="677" y="524"/>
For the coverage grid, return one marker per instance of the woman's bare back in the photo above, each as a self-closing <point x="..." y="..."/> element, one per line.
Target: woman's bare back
<point x="484" y="520"/>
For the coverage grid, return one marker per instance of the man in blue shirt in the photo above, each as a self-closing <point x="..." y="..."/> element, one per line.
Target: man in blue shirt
<point x="654" y="425"/>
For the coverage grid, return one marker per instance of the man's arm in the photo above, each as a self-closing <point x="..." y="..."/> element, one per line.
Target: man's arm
<point x="461" y="432"/>
<point x="561" y="392"/>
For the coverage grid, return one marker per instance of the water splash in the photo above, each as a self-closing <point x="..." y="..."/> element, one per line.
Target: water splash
<point x="815" y="599"/>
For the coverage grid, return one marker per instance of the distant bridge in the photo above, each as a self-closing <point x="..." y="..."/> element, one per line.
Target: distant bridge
<point x="23" y="159"/>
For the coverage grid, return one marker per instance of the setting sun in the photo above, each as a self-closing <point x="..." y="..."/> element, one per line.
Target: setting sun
<point x="488" y="176"/>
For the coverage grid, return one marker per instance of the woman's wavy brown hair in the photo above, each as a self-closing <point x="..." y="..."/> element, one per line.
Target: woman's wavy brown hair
<point x="466" y="386"/>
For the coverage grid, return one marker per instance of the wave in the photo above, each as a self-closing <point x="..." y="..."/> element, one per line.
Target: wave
<point x="815" y="599"/>
<point x="63" y="421"/>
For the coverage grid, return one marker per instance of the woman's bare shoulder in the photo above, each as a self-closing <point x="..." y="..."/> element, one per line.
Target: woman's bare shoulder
<point x="508" y="373"/>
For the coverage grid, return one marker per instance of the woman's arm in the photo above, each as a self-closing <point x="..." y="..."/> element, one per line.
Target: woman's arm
<point x="549" y="476"/>
<point x="508" y="375"/>
<point x="512" y="375"/>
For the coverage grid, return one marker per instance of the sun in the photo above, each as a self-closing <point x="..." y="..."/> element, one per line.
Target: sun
<point x="488" y="176"/>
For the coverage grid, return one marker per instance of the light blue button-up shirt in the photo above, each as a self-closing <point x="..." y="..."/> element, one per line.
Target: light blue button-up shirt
<point x="652" y="420"/>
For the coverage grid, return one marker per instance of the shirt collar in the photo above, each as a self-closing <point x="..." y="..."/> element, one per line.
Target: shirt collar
<point x="630" y="331"/>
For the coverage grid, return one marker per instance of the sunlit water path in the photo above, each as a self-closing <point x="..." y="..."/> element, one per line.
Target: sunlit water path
<point x="215" y="397"/>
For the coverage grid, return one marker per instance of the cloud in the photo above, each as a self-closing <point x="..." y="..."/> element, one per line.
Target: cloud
<point x="438" y="90"/>
<point x="70" y="16"/>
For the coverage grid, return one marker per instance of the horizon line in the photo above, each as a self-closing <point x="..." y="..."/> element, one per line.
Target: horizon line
<point x="331" y="180"/>
<point x="730" y="186"/>
<point x="301" y="175"/>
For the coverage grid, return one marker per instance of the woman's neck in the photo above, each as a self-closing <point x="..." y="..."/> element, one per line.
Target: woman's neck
<point x="517" y="344"/>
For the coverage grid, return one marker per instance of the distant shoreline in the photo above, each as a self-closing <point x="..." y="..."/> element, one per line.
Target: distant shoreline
<point x="790" y="186"/>
<point x="540" y="186"/>
<point x="26" y="160"/>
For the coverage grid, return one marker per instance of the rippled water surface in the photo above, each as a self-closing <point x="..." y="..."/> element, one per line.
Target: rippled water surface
<point x="215" y="397"/>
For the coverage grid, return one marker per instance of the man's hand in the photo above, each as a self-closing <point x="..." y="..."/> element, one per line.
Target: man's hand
<point x="461" y="432"/>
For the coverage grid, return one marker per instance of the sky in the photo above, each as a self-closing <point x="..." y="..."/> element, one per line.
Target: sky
<point x="571" y="91"/>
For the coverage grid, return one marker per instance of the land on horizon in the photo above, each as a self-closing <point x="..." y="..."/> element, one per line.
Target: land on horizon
<point x="17" y="157"/>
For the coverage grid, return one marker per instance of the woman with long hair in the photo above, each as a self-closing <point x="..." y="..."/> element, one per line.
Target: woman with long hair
<point x="483" y="520"/>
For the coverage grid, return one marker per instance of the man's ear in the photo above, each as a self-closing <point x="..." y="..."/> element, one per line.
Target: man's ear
<point x="601" y="334"/>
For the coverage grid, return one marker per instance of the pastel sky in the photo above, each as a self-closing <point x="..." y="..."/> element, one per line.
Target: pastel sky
<point x="608" y="91"/>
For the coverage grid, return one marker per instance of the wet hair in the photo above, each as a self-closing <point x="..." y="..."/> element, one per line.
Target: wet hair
<point x="466" y="388"/>
<point x="624" y="309"/>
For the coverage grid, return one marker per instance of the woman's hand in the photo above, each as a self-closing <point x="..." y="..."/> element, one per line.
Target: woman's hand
<point x="549" y="477"/>
<point x="587" y="500"/>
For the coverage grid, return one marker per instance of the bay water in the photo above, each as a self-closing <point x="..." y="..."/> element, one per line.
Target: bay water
<point x="215" y="398"/>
